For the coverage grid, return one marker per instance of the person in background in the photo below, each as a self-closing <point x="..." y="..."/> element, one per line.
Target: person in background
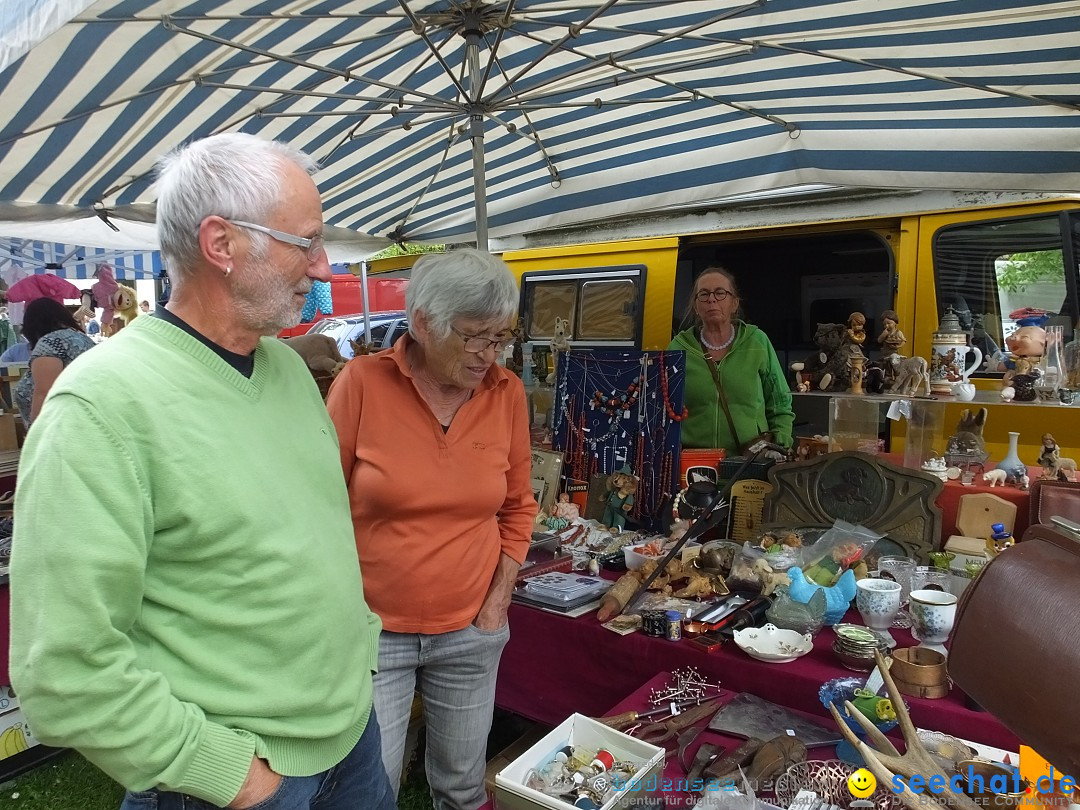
<point x="434" y="442"/>
<point x="181" y="621"/>
<point x="55" y="340"/>
<point x="17" y="353"/>
<point x="736" y="391"/>
<point x="144" y="307"/>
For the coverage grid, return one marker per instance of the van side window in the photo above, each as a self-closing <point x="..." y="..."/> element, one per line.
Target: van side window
<point x="602" y="304"/>
<point x="544" y="301"/>
<point x="606" y="311"/>
<point x="988" y="270"/>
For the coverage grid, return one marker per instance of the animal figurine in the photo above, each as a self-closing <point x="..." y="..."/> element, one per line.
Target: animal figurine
<point x="125" y="302"/>
<point x="622" y="485"/>
<point x="1054" y="466"/>
<point x="826" y="369"/>
<point x="911" y="372"/>
<point x="837" y="598"/>
<point x="320" y="352"/>
<point x="560" y="342"/>
<point x="769" y="578"/>
<point x="995" y="477"/>
<point x="968" y="438"/>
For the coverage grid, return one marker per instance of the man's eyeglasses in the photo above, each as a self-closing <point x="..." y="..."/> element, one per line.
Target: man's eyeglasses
<point x="475" y="344"/>
<point x="313" y="248"/>
<point x="708" y="295"/>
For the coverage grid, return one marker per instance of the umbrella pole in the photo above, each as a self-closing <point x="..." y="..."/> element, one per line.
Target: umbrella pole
<point x="476" y="135"/>
<point x="366" y="303"/>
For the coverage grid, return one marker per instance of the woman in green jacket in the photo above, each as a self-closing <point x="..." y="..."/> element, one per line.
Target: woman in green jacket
<point x="735" y="388"/>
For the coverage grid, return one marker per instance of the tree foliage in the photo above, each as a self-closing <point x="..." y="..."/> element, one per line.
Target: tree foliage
<point x="1021" y="269"/>
<point x="410" y="249"/>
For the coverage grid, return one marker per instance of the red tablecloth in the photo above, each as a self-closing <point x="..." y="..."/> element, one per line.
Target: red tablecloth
<point x="554" y="666"/>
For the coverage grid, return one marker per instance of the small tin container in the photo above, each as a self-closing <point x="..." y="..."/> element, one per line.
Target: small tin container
<point x="674" y="625"/>
<point x="654" y="623"/>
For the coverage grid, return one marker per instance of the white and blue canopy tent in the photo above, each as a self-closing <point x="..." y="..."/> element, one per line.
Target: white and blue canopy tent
<point x="78" y="261"/>
<point x="438" y="120"/>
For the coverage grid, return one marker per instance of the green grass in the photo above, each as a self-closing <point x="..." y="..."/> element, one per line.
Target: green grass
<point x="69" y="782"/>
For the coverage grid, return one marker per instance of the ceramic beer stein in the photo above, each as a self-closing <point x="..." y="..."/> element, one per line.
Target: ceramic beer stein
<point x="948" y="354"/>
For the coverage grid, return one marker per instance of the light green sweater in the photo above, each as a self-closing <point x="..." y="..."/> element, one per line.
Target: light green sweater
<point x="185" y="586"/>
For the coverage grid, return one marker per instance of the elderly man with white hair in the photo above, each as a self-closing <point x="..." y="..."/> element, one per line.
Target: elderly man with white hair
<point x="434" y="442"/>
<point x="190" y="614"/>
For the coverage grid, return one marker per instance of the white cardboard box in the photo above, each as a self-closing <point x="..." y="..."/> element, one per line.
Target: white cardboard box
<point x="15" y="734"/>
<point x="510" y="790"/>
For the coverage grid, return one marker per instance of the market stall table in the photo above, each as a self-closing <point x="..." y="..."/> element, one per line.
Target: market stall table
<point x="677" y="790"/>
<point x="554" y="666"/>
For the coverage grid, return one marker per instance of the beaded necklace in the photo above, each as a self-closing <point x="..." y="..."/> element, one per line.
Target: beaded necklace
<point x="722" y="346"/>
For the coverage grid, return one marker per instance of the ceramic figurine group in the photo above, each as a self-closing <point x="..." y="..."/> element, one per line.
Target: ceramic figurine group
<point x="839" y="363"/>
<point x="1054" y="465"/>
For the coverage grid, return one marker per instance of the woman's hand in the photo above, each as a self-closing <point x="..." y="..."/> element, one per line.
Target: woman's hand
<point x="259" y="785"/>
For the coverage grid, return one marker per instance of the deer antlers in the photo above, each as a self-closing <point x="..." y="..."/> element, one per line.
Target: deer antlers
<point x="884" y="761"/>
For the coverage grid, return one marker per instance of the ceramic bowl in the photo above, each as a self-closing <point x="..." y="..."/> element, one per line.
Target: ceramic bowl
<point x="836" y="691"/>
<point x="635" y="559"/>
<point x="771" y="644"/>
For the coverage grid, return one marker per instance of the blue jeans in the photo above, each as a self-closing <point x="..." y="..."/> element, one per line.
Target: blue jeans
<point x="455" y="674"/>
<point x="358" y="782"/>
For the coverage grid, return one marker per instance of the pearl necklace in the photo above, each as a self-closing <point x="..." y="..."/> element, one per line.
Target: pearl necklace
<point x="722" y="346"/>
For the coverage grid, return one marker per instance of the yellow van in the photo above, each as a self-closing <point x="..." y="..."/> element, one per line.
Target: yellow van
<point x="816" y="259"/>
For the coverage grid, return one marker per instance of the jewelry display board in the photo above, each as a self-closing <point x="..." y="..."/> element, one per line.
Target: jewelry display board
<point x="615" y="408"/>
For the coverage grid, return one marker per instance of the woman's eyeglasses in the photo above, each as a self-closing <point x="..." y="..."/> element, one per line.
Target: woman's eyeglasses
<point x="708" y="295"/>
<point x="475" y="344"/>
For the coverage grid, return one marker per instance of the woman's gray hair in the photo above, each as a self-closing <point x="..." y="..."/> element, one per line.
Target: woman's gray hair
<point x="464" y="283"/>
<point x="233" y="175"/>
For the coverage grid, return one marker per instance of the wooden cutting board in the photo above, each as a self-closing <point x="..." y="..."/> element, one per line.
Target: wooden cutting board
<point x="978" y="511"/>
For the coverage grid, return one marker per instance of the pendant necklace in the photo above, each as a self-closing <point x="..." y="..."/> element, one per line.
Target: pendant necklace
<point x="722" y="346"/>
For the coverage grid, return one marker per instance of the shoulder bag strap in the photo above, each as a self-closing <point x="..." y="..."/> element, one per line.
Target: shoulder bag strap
<point x="723" y="400"/>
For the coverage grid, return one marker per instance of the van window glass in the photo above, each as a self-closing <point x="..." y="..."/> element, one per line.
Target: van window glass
<point x="607" y="310"/>
<point x="988" y="271"/>
<point x="544" y="302"/>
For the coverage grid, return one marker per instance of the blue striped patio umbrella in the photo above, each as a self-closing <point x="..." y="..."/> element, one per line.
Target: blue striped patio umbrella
<point x="456" y="119"/>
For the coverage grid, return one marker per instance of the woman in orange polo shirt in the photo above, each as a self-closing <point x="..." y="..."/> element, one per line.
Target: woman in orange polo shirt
<point x="434" y="443"/>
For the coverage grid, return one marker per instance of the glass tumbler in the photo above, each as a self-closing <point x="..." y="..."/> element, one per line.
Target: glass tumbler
<point x="899" y="569"/>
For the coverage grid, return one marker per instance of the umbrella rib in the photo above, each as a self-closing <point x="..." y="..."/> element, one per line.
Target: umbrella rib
<point x="533" y="134"/>
<point x="575" y="30"/>
<point x="421" y="30"/>
<point x="919" y="74"/>
<point x="254" y="88"/>
<point x="343" y="74"/>
<point x="571" y="31"/>
<point x="787" y="126"/>
<point x="454" y="137"/>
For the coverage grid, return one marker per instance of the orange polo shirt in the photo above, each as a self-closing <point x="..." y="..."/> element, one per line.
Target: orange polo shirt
<point x="432" y="511"/>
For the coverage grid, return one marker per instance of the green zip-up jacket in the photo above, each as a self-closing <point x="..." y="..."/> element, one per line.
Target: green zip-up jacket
<point x="754" y="386"/>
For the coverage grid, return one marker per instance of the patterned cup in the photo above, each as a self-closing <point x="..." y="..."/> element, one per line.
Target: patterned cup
<point x="932" y="616"/>
<point x="878" y="601"/>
